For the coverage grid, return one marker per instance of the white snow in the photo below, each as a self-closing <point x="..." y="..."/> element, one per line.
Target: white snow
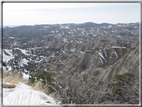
<point x="23" y="51"/>
<point x="109" y="26"/>
<point x="83" y="33"/>
<point x="119" y="36"/>
<point x="100" y="54"/>
<point x="65" y="27"/>
<point x="78" y="41"/>
<point x="53" y="56"/>
<point x="15" y="43"/>
<point x="105" y="31"/>
<point x="25" y="61"/>
<point x="45" y="69"/>
<point x="94" y="35"/>
<point x="5" y="57"/>
<point x="117" y="47"/>
<point x="26" y="71"/>
<point x="116" y="54"/>
<point x="25" y="76"/>
<point x="25" y="95"/>
<point x="46" y="26"/>
<point x="11" y="37"/>
<point x="105" y="53"/>
<point x="46" y="47"/>
<point x="82" y="52"/>
<point x="93" y="30"/>
<point x="63" y="51"/>
<point x="119" y="25"/>
<point x="101" y="60"/>
<point x="73" y="50"/>
<point x="9" y="51"/>
<point x="9" y="68"/>
<point x="52" y="32"/>
<point x="65" y="40"/>
<point x="6" y="69"/>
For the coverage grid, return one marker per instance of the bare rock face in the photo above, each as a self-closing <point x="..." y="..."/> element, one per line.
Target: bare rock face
<point x="127" y="63"/>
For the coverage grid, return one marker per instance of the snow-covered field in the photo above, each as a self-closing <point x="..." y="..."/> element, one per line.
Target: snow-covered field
<point x="24" y="95"/>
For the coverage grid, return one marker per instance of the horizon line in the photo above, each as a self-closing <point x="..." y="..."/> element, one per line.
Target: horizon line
<point x="67" y="23"/>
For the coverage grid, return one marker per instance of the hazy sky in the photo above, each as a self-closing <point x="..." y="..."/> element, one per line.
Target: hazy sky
<point x="57" y="13"/>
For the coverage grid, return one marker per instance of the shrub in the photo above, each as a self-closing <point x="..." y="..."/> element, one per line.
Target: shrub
<point x="123" y="89"/>
<point x="83" y="95"/>
<point x="121" y="79"/>
<point x="46" y="81"/>
<point x="84" y="77"/>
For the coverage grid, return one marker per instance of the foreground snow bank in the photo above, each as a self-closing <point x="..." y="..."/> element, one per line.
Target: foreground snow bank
<point x="24" y="95"/>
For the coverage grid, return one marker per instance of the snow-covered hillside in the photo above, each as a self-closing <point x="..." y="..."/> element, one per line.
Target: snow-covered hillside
<point x="25" y="95"/>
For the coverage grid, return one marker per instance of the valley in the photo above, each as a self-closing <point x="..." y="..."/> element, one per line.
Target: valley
<point x="76" y="55"/>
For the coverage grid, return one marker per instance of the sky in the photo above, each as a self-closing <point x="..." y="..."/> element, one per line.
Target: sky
<point x="59" y="13"/>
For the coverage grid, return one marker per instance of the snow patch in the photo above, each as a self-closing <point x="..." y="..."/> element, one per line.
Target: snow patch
<point x="100" y="54"/>
<point x="23" y="51"/>
<point x="73" y="50"/>
<point x="94" y="35"/>
<point x="25" y="76"/>
<point x="5" y="57"/>
<point x="11" y="37"/>
<point x="116" y="54"/>
<point x="64" y="27"/>
<point x="82" y="52"/>
<point x="65" y="40"/>
<point x="119" y="36"/>
<point x="109" y="26"/>
<point x="105" y="53"/>
<point x="9" y="51"/>
<point x="25" y="61"/>
<point x="117" y="47"/>
<point x="78" y="41"/>
<point x="101" y="60"/>
<point x="46" y="47"/>
<point x="53" y="56"/>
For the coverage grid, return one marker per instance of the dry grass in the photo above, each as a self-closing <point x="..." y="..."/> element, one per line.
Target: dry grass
<point x="38" y="86"/>
<point x="8" y="85"/>
<point x="12" y="78"/>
